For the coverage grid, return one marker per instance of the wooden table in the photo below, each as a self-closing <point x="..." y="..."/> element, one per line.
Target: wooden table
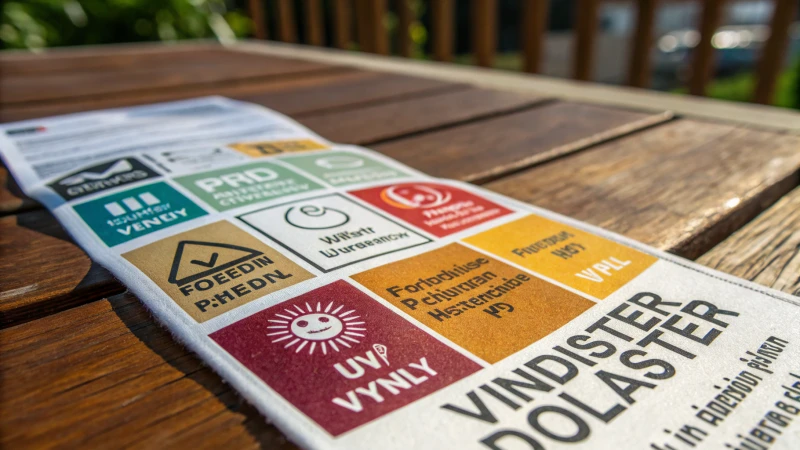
<point x="83" y="364"/>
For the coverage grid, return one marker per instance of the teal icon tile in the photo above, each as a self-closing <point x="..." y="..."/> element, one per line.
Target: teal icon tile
<point x="130" y="214"/>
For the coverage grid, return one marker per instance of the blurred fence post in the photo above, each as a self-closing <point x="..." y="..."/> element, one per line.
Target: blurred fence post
<point x="583" y="55"/>
<point x="484" y="31"/>
<point x="363" y="28"/>
<point x="442" y="29"/>
<point x="703" y="63"/>
<point x="534" y="29"/>
<point x="286" y="27"/>
<point x="773" y="54"/>
<point x="377" y="14"/>
<point x="314" y="23"/>
<point x="639" y="71"/>
<point x="404" y="18"/>
<point x="341" y="23"/>
<point x="256" y="10"/>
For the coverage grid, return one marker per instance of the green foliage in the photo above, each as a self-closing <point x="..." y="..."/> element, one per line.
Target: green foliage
<point x="35" y="24"/>
<point x="417" y="31"/>
<point x="740" y="88"/>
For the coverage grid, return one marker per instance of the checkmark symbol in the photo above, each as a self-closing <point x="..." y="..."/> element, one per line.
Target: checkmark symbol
<point x="210" y="262"/>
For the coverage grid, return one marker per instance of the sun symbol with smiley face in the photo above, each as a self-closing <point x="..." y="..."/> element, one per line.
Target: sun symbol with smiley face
<point x="317" y="327"/>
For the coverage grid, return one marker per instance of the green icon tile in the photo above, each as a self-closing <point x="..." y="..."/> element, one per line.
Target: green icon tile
<point x="342" y="168"/>
<point x="238" y="186"/>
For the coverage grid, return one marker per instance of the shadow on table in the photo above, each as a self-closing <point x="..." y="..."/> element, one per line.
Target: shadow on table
<point x="76" y="281"/>
<point x="244" y="416"/>
<point x="12" y="199"/>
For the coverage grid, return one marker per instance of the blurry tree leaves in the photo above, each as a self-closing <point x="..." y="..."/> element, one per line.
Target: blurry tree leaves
<point x="35" y="24"/>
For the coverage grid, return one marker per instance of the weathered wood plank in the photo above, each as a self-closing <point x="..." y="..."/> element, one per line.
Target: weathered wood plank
<point x="355" y="90"/>
<point x="320" y="90"/>
<point x="683" y="186"/>
<point x="488" y="149"/>
<point x="122" y="65"/>
<point x="766" y="250"/>
<point x="112" y="57"/>
<point x="95" y="84"/>
<point x="105" y="373"/>
<point x="411" y="115"/>
<point x="12" y="200"/>
<point x="44" y="271"/>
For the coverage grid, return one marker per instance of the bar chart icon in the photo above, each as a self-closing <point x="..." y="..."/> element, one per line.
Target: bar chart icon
<point x="131" y="203"/>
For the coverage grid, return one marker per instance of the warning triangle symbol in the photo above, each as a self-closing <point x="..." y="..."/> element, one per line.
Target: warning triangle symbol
<point x="196" y="259"/>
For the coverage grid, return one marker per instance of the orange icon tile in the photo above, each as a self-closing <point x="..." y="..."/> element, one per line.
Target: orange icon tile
<point x="487" y="307"/>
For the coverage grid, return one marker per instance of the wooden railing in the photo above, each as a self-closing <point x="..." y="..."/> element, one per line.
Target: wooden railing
<point x="372" y="36"/>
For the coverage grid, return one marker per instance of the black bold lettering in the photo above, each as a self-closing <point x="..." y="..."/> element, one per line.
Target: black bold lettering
<point x="571" y="370"/>
<point x="623" y="386"/>
<point x="710" y="313"/>
<point x="491" y="440"/>
<point x="582" y="429"/>
<point x="668" y="370"/>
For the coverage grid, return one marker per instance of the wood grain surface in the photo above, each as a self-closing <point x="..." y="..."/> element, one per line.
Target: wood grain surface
<point x="683" y="186"/>
<point x="180" y="75"/>
<point x="352" y="90"/>
<point x="119" y="57"/>
<point x="766" y="250"/>
<point x="11" y="197"/>
<point x="389" y="120"/>
<point x="481" y="151"/>
<point x="302" y="93"/>
<point x="44" y="271"/>
<point x="107" y="376"/>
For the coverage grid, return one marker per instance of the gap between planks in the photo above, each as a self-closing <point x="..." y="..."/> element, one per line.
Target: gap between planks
<point x="766" y="250"/>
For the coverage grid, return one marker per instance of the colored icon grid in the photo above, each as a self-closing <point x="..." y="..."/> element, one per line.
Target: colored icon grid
<point x="468" y="297"/>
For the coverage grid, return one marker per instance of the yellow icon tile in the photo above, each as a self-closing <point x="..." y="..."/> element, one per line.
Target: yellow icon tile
<point x="271" y="148"/>
<point x="581" y="260"/>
